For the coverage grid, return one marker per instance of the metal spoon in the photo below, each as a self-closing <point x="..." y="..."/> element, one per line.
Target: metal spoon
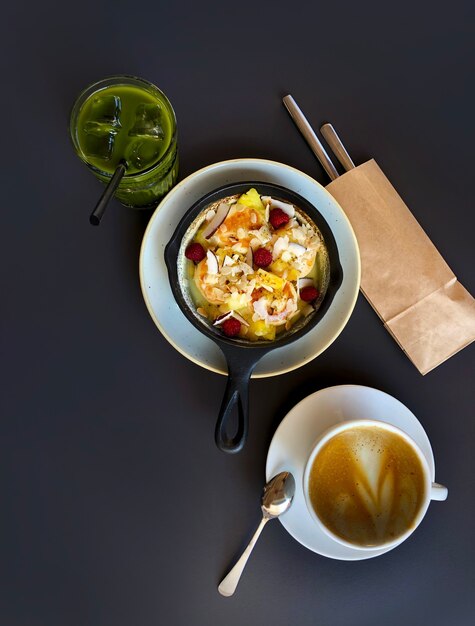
<point x="276" y="500"/>
<point x="311" y="138"/>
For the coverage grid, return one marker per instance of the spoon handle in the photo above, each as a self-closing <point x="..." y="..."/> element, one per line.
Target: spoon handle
<point x="228" y="585"/>
<point x="310" y="137"/>
<point x="336" y="144"/>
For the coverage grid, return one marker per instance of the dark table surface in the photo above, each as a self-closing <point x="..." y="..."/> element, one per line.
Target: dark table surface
<point x="116" y="507"/>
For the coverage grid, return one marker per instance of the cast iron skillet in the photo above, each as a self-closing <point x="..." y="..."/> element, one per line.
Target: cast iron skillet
<point x="243" y="355"/>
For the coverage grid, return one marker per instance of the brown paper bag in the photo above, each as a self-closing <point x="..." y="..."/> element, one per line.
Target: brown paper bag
<point x="403" y="276"/>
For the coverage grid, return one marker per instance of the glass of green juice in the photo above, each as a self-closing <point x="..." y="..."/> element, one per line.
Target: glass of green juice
<point x="125" y="119"/>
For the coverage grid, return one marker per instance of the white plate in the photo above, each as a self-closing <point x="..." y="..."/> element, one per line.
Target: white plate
<point x="294" y="439"/>
<point x="154" y="277"/>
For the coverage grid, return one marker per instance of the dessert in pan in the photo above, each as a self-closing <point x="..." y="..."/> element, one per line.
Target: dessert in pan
<point x="253" y="266"/>
<point x="257" y="266"/>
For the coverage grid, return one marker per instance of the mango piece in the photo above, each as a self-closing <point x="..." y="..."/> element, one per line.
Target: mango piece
<point x="252" y="200"/>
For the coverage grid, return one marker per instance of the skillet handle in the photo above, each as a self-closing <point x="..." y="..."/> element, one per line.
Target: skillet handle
<point x="236" y="396"/>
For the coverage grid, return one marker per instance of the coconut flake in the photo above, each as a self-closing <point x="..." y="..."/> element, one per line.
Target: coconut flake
<point x="263" y="234"/>
<point x="240" y="318"/>
<point x="287" y="208"/>
<point x="212" y="262"/>
<point x="221" y="214"/>
<point x="249" y="257"/>
<point x="245" y="268"/>
<point x="260" y="308"/>
<point x="210" y="279"/>
<point x="280" y="245"/>
<point x="239" y="247"/>
<point x="299" y="235"/>
<point x="218" y="293"/>
<point x="297" y="249"/>
<point x="267" y="288"/>
<point x="209" y="216"/>
<point x="305" y="282"/>
<point x="223" y="318"/>
<point x="219" y="320"/>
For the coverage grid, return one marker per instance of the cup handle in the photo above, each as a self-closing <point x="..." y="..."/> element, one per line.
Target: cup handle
<point x="438" y="492"/>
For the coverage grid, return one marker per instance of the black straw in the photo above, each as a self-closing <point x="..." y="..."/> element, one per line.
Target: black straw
<point x="96" y="215"/>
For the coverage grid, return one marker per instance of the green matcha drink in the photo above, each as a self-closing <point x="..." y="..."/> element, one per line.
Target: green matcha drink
<point x="127" y="120"/>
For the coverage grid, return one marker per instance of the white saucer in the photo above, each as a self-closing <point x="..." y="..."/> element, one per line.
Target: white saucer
<point x="294" y="439"/>
<point x="154" y="277"/>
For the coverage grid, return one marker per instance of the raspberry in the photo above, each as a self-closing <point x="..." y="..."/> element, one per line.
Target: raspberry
<point x="309" y="294"/>
<point x="278" y="218"/>
<point x="231" y="327"/>
<point x="262" y="257"/>
<point x="195" y="252"/>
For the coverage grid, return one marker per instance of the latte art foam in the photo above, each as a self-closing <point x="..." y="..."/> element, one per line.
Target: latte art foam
<point x="367" y="485"/>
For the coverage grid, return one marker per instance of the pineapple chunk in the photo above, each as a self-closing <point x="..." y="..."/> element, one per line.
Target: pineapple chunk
<point x="278" y="266"/>
<point x="252" y="200"/>
<point x="281" y="268"/>
<point x="237" y="301"/>
<point x="293" y="274"/>
<point x="261" y="330"/>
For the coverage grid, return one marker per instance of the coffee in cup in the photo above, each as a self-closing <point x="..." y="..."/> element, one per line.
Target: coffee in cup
<point x="368" y="484"/>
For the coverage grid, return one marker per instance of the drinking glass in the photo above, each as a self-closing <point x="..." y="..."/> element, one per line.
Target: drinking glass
<point x="125" y="119"/>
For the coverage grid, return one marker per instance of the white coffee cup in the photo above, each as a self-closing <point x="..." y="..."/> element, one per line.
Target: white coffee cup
<point x="432" y="491"/>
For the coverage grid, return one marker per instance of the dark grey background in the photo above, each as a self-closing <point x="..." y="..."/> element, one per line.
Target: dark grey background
<point x="115" y="507"/>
